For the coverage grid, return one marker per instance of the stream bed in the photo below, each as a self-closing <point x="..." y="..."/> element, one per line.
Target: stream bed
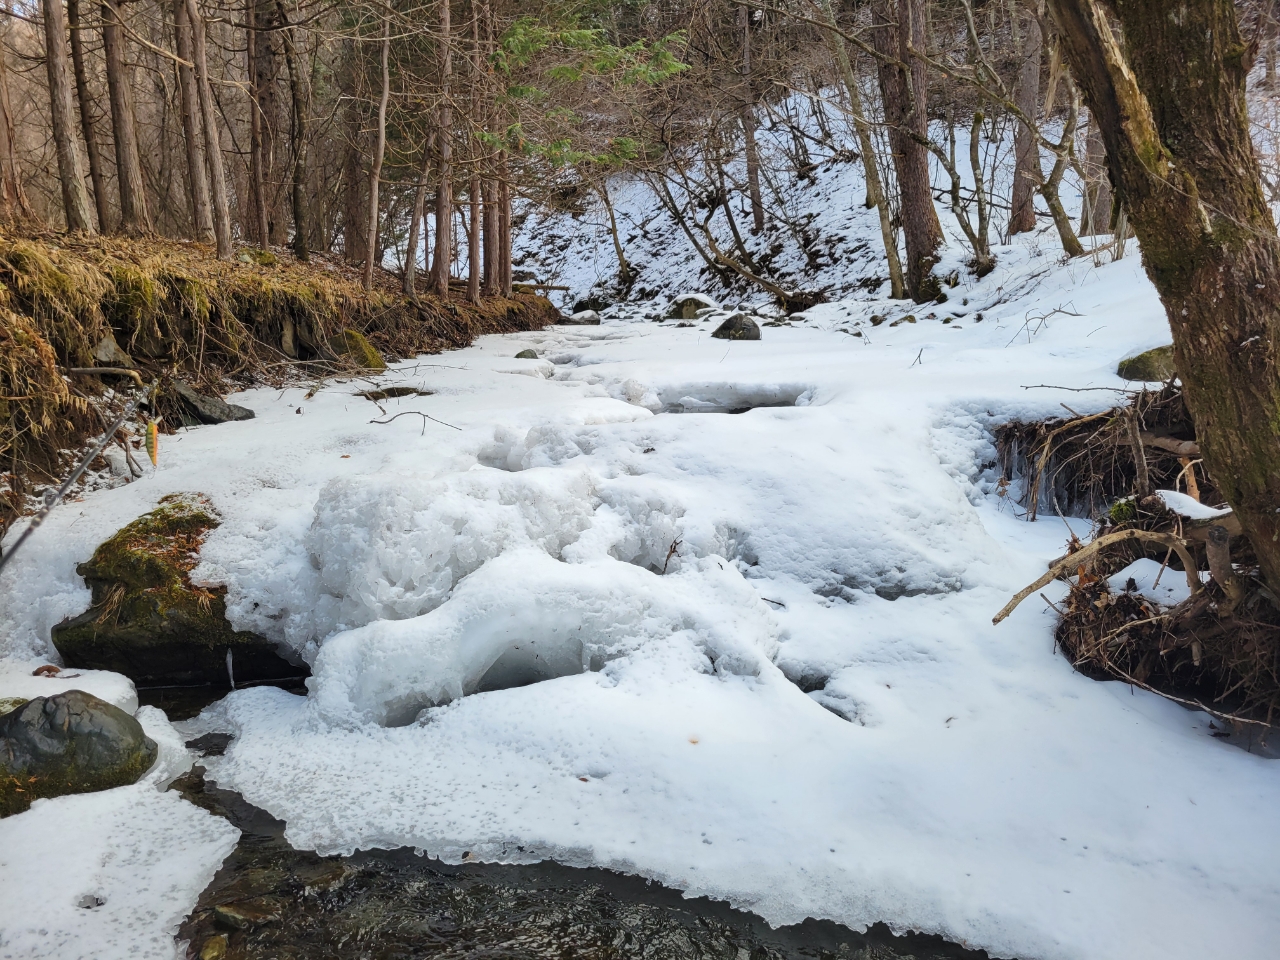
<point x="271" y="901"/>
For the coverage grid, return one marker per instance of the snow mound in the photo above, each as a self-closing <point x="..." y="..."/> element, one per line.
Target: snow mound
<point x="525" y="617"/>
<point x="1189" y="507"/>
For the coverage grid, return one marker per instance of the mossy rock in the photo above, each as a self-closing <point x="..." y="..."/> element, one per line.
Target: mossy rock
<point x="71" y="742"/>
<point x="148" y="621"/>
<point x="362" y="351"/>
<point x="263" y="258"/>
<point x="526" y="355"/>
<point x="1153" y="366"/>
<point x="9" y="704"/>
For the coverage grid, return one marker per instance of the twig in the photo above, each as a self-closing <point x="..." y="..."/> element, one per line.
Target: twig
<point x="1054" y="386"/>
<point x="670" y="553"/>
<point x="95" y="371"/>
<point x="425" y="416"/>
<point x="1075" y="559"/>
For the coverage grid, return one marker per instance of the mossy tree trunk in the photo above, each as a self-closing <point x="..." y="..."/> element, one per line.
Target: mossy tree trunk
<point x="1172" y="112"/>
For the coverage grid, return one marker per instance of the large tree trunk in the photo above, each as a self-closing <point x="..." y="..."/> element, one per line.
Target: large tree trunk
<point x="444" y="151"/>
<point x="201" y="209"/>
<point x="13" y="197"/>
<point x="88" y="128"/>
<point x="898" y="26"/>
<point x="748" y="115"/>
<point x="212" y="142"/>
<point x="1027" y="175"/>
<point x="375" y="168"/>
<point x="298" y="136"/>
<point x="75" y="199"/>
<point x="1172" y="111"/>
<point x="134" y="220"/>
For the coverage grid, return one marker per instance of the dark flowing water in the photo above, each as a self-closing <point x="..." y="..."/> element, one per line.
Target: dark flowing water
<point x="270" y="901"/>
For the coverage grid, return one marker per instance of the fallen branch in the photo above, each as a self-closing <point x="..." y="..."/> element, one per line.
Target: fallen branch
<point x="419" y="413"/>
<point x="1181" y="448"/>
<point x="1074" y="560"/>
<point x="97" y="371"/>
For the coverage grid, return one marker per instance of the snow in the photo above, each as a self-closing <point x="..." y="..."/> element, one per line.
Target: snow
<point x="1154" y="581"/>
<point x="1190" y="507"/>
<point x="608" y="621"/>
<point x="17" y="679"/>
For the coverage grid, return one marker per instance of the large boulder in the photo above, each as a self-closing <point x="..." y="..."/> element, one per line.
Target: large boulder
<point x="198" y="408"/>
<point x="583" y="318"/>
<point x="1153" y="366"/>
<point x="737" y="327"/>
<point x="71" y="742"/>
<point x="149" y="622"/>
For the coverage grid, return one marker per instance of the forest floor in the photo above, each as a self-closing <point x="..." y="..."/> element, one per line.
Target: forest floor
<point x="754" y="583"/>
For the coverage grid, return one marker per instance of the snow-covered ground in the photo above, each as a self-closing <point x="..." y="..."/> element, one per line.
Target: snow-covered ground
<point x="676" y="582"/>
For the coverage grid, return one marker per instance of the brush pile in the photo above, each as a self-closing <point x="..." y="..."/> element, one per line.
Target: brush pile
<point x="1211" y="637"/>
<point x="170" y="310"/>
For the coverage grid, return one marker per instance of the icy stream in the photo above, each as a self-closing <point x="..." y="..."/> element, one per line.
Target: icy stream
<point x="749" y="657"/>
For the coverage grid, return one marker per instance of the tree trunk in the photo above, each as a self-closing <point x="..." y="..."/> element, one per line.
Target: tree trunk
<point x="1027" y="175"/>
<point x="298" y="136"/>
<point x="201" y="211"/>
<point x="75" y="200"/>
<point x="212" y="142"/>
<point x="134" y="220"/>
<point x="1173" y="116"/>
<point x="876" y="196"/>
<point x="261" y="231"/>
<point x="1095" y="218"/>
<point x="16" y="206"/>
<point x="504" y="227"/>
<point x="748" y="115"/>
<point x="474" y="238"/>
<point x="898" y="26"/>
<point x="490" y="282"/>
<point x="88" y="128"/>
<point x="354" y="180"/>
<point x="266" y="98"/>
<point x="444" y="193"/>
<point x="375" y="168"/>
<point x="416" y="224"/>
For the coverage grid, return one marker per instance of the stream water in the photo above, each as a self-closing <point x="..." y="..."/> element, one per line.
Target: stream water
<point x="272" y="902"/>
